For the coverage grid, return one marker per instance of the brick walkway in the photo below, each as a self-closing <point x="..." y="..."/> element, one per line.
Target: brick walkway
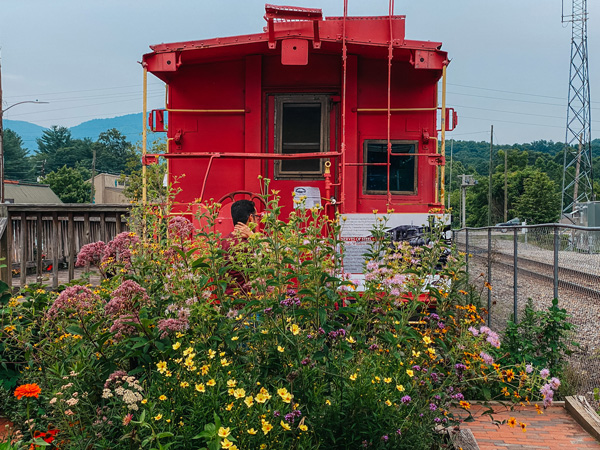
<point x="555" y="429"/>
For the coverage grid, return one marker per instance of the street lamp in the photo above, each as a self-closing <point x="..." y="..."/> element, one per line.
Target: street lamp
<point x="2" y="111"/>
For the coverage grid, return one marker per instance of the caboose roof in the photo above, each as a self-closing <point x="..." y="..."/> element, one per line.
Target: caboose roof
<point x="365" y="36"/>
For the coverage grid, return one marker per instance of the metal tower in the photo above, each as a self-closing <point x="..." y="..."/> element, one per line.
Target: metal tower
<point x="577" y="176"/>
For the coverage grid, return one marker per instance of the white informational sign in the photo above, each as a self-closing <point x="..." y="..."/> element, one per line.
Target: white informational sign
<point x="356" y="235"/>
<point x="312" y="194"/>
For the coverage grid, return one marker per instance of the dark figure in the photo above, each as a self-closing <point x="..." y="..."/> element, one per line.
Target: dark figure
<point x="243" y="214"/>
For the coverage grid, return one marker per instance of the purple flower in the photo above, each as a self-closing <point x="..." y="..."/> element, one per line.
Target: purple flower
<point x="417" y="368"/>
<point x="127" y="298"/>
<point x="406" y="399"/>
<point x="385" y="438"/>
<point x="374" y="347"/>
<point x="119" y="249"/>
<point x="434" y="316"/>
<point x="434" y="377"/>
<point x="528" y="368"/>
<point x="487" y="358"/>
<point x="170" y="325"/>
<point x="398" y="431"/>
<point x="474" y="331"/>
<point x="458" y="396"/>
<point x="437" y="420"/>
<point x="555" y="383"/>
<point x="305" y="361"/>
<point x="548" y="394"/>
<point x="276" y="413"/>
<point x="432" y="406"/>
<point x="441" y="325"/>
<point x="268" y="310"/>
<point x="544" y="373"/>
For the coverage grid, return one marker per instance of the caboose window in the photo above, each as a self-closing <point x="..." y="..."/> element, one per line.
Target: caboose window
<point x="403" y="168"/>
<point x="300" y="127"/>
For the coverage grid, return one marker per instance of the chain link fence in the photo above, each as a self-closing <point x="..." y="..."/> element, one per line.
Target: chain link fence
<point x="510" y="265"/>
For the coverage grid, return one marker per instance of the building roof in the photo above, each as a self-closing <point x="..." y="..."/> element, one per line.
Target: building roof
<point x="21" y="192"/>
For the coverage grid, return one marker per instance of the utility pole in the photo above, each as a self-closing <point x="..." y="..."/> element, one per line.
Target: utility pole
<point x="490" y="178"/>
<point x="578" y="179"/>
<point x="505" y="185"/>
<point x="450" y="177"/>
<point x="1" y="141"/>
<point x="93" y="173"/>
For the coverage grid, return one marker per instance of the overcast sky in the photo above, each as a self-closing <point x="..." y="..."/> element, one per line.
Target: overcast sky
<point x="509" y="58"/>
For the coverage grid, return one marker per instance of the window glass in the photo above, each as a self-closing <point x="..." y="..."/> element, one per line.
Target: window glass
<point x="301" y="126"/>
<point x="403" y="168"/>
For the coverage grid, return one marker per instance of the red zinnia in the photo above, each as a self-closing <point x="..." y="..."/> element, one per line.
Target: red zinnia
<point x="27" y="390"/>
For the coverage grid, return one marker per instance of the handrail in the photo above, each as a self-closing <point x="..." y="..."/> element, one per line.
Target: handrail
<point x="242" y="155"/>
<point x="539" y="225"/>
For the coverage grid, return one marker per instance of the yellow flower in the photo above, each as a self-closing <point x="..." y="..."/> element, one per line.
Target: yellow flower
<point x="10" y="328"/>
<point x="285" y="426"/>
<point x="184" y="384"/>
<point x="351" y="340"/>
<point x="261" y="398"/>
<point x="523" y="425"/>
<point x="176" y="345"/>
<point x="465" y="405"/>
<point x="204" y="369"/>
<point x="224" y="432"/>
<point x="295" y="329"/>
<point x="400" y="388"/>
<point x="161" y="366"/>
<point x="168" y="373"/>
<point x="224" y="362"/>
<point x="263" y="446"/>
<point x="303" y="427"/>
<point x="211" y="382"/>
<point x="287" y="398"/>
<point x="231" y="383"/>
<point x="387" y="402"/>
<point x="427" y="340"/>
<point x="266" y="427"/>
<point x="252" y="431"/>
<point x="410" y="373"/>
<point x="249" y="401"/>
<point x="280" y="349"/>
<point x="353" y="376"/>
<point x="239" y="393"/>
<point x="178" y="334"/>
<point x="512" y="422"/>
<point x="212" y="354"/>
<point x="416" y="354"/>
<point x="235" y="338"/>
<point x="200" y="388"/>
<point x="387" y="380"/>
<point x="229" y="407"/>
<point x="144" y="401"/>
<point x="158" y="417"/>
<point x="226" y="443"/>
<point x="162" y="398"/>
<point x="327" y="402"/>
<point x="189" y="350"/>
<point x="431" y="351"/>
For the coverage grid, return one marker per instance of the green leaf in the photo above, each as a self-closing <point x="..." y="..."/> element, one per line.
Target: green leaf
<point x="164" y="434"/>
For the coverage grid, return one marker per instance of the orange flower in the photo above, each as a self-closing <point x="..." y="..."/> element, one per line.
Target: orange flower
<point x="512" y="422"/>
<point x="27" y="390"/>
<point x="523" y="426"/>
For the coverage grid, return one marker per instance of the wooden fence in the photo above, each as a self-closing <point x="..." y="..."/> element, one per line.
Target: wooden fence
<point x="45" y="238"/>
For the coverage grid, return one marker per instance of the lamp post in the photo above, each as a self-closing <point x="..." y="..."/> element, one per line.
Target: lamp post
<point x="2" y="111"/>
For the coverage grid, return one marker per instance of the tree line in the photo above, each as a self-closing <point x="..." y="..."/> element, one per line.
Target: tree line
<point x="66" y="163"/>
<point x="534" y="176"/>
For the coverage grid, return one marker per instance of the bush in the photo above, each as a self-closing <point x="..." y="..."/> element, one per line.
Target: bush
<point x="169" y="351"/>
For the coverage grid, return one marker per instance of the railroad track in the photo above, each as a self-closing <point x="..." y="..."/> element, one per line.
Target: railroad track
<point x="575" y="280"/>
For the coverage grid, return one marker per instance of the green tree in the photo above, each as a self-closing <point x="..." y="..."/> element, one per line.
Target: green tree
<point x="540" y="201"/>
<point x="155" y="174"/>
<point x="54" y="139"/>
<point x="17" y="164"/>
<point x="69" y="184"/>
<point x="114" y="153"/>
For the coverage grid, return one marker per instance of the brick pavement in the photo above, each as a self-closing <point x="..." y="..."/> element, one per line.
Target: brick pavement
<point x="554" y="429"/>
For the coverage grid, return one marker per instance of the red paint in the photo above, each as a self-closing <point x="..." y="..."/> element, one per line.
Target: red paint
<point x="238" y="80"/>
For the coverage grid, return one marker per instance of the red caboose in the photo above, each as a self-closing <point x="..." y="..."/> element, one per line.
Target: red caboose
<point x="343" y="110"/>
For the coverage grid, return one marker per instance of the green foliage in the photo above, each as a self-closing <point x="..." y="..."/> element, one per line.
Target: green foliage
<point x="543" y="338"/>
<point x="540" y="201"/>
<point x="155" y="175"/>
<point x="171" y="351"/>
<point x="114" y="154"/>
<point x="17" y="162"/>
<point x="69" y="184"/>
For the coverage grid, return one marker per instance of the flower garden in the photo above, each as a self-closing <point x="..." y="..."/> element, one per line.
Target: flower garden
<point x="168" y="353"/>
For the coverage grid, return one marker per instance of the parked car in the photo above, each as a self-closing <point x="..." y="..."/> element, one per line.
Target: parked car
<point x="511" y="223"/>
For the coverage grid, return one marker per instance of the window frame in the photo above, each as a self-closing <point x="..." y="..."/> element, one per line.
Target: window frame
<point x="282" y="99"/>
<point x="413" y="142"/>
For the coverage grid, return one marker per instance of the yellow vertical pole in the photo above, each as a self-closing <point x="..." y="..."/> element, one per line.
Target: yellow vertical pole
<point x="443" y="147"/>
<point x="144" y="137"/>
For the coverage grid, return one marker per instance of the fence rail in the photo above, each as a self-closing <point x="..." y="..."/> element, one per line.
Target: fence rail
<point x="541" y="262"/>
<point x="46" y="237"/>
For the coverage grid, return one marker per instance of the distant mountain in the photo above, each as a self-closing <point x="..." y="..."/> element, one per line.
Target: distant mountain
<point x="129" y="125"/>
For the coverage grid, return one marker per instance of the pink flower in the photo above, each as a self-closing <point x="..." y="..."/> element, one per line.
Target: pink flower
<point x="181" y="227"/>
<point x="91" y="254"/>
<point x="120" y="248"/>
<point x="127" y="298"/>
<point x="79" y="299"/>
